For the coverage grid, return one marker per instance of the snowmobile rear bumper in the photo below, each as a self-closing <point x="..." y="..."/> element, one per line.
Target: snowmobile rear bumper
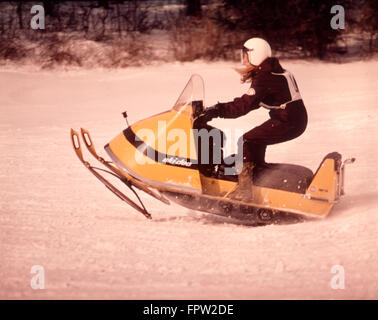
<point x="328" y="182"/>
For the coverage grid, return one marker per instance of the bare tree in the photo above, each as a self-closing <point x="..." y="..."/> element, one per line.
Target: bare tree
<point x="19" y="15"/>
<point x="369" y="22"/>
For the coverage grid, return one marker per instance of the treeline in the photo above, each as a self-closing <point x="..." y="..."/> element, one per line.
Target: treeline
<point x="93" y="20"/>
<point x="304" y="26"/>
<point x="183" y="30"/>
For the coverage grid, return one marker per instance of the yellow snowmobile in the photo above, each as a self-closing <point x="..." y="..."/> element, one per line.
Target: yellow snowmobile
<point x="171" y="156"/>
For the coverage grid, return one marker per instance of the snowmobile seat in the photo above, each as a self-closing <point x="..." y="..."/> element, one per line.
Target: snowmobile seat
<point x="282" y="176"/>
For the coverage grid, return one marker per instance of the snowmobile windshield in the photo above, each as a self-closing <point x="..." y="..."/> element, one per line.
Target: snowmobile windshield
<point x="192" y="96"/>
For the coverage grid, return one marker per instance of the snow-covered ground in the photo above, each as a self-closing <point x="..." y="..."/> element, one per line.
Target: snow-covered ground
<point x="55" y="214"/>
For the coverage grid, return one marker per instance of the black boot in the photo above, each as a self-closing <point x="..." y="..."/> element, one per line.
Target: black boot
<point x="243" y="190"/>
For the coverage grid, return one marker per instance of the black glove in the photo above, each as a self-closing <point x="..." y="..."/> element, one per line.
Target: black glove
<point x="209" y="114"/>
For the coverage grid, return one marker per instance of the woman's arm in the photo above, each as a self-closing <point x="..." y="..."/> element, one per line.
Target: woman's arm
<point x="244" y="104"/>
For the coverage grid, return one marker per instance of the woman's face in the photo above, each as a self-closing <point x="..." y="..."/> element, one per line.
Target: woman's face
<point x="246" y="61"/>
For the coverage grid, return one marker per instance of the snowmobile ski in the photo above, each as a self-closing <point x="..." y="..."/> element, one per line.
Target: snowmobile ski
<point x="122" y="175"/>
<point x="76" y="144"/>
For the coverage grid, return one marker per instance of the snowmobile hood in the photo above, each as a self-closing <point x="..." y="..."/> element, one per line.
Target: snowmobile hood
<point x="161" y="150"/>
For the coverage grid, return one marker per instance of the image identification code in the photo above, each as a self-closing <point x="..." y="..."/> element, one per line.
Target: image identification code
<point x="191" y="309"/>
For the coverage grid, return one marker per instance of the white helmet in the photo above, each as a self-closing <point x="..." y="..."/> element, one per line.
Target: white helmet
<point x="256" y="50"/>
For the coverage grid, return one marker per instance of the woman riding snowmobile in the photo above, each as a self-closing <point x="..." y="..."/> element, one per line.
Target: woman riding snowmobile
<point x="273" y="88"/>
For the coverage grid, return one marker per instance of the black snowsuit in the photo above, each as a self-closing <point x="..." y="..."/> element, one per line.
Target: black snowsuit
<point x="272" y="88"/>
